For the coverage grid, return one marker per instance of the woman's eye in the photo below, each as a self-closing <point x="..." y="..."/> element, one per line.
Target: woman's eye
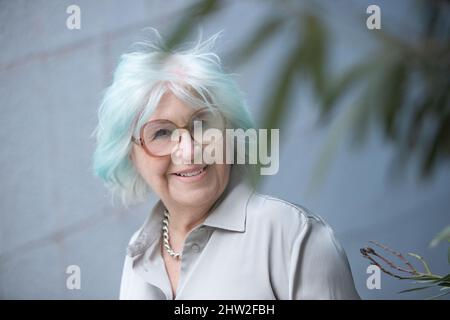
<point x="161" y="133"/>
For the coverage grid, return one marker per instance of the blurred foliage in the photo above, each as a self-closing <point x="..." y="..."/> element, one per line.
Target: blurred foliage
<point x="403" y="87"/>
<point x="427" y="278"/>
<point x="409" y="92"/>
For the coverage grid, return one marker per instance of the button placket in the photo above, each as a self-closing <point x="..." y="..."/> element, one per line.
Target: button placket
<point x="196" y="239"/>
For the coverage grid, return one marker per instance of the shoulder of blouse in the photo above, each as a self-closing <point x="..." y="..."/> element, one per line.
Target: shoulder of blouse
<point x="288" y="217"/>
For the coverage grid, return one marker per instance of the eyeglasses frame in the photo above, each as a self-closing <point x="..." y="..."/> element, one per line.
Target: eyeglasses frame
<point x="140" y="141"/>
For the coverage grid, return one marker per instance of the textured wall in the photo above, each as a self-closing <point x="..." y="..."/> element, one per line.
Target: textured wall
<point x="53" y="213"/>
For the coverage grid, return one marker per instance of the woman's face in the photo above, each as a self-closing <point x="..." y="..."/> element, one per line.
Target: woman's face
<point x="163" y="175"/>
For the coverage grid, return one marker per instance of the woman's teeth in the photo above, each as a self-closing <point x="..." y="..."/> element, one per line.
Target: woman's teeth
<point x="191" y="174"/>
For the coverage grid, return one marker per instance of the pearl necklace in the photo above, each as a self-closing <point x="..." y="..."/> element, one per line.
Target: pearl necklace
<point x="165" y="230"/>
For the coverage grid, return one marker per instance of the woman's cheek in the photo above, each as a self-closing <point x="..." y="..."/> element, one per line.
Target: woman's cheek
<point x="157" y="171"/>
<point x="153" y="170"/>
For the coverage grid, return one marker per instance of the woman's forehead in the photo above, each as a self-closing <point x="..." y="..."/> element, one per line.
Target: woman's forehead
<point x="172" y="108"/>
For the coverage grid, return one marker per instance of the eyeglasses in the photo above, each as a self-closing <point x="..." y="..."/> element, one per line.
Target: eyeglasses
<point x="156" y="136"/>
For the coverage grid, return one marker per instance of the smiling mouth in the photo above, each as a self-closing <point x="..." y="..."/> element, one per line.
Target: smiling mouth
<point x="192" y="173"/>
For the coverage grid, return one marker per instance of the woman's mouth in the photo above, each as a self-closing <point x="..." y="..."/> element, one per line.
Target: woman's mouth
<point x="191" y="174"/>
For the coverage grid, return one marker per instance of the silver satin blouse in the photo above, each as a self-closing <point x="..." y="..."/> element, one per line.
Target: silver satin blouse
<point x="250" y="246"/>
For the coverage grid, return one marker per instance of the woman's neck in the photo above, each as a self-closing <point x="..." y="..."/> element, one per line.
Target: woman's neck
<point x="184" y="219"/>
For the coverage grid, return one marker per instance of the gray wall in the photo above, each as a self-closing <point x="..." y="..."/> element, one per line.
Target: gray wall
<point x="53" y="213"/>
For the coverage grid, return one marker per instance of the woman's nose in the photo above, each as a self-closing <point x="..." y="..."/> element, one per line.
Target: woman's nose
<point x="189" y="149"/>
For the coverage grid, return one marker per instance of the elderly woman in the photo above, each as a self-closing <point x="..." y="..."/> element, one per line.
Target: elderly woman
<point x="210" y="236"/>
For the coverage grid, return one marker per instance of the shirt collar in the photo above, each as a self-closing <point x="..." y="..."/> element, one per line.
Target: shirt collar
<point x="228" y="213"/>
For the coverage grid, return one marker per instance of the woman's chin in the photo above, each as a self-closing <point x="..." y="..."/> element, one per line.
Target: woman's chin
<point x="193" y="198"/>
<point x="193" y="194"/>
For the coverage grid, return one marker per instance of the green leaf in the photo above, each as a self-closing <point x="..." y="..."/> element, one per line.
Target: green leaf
<point x="392" y="103"/>
<point x="416" y="289"/>
<point x="445" y="280"/>
<point x="336" y="135"/>
<point x="439" y="143"/>
<point x="278" y="101"/>
<point x="438" y="296"/>
<point x="314" y="49"/>
<point x="426" y="278"/>
<point x="193" y="15"/>
<point x="427" y="268"/>
<point x="342" y="84"/>
<point x="254" y="42"/>
<point x="443" y="235"/>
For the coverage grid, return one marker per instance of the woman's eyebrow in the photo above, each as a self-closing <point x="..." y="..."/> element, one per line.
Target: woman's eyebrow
<point x="179" y="124"/>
